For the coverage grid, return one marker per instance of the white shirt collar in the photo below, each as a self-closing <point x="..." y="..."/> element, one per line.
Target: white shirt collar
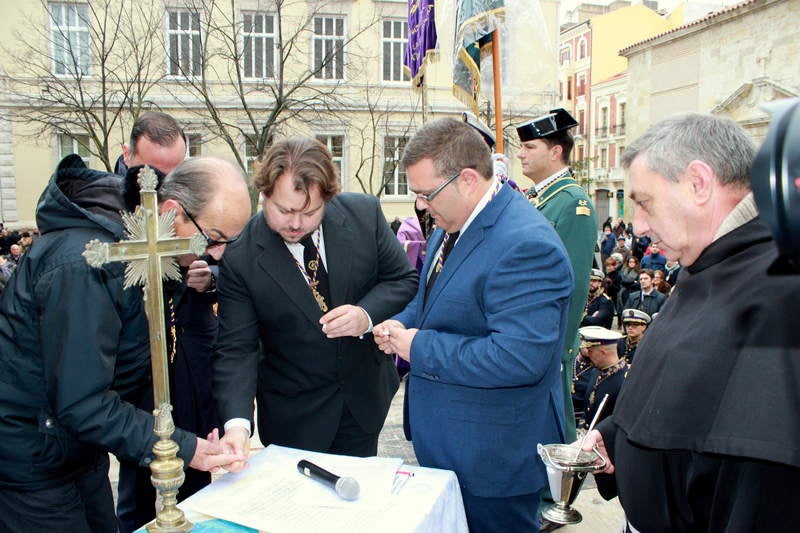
<point x="542" y="185"/>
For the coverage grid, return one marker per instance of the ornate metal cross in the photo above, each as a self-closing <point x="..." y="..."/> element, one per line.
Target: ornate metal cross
<point x="150" y="253"/>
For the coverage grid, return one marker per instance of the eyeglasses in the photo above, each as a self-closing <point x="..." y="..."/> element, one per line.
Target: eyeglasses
<point x="430" y="196"/>
<point x="210" y="243"/>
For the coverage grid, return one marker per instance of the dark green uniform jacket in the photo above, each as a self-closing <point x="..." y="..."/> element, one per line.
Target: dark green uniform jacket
<point x="565" y="204"/>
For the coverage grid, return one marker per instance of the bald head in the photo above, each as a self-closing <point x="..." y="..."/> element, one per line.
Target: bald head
<point x="213" y="193"/>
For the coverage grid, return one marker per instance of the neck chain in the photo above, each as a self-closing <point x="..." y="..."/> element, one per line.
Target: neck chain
<point x="313" y="266"/>
<point x="609" y="371"/>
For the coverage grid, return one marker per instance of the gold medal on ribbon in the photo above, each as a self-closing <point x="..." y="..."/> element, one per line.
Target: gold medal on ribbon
<point x="320" y="300"/>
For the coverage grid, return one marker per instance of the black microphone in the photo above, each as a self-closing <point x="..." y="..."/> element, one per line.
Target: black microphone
<point x="346" y="487"/>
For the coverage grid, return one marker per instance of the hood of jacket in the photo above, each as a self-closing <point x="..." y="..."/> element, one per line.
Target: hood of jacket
<point x="77" y="196"/>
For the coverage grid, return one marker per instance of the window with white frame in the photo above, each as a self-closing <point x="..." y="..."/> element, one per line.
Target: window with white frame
<point x="335" y="145"/>
<point x="74" y="144"/>
<point x="69" y="30"/>
<point x="582" y="48"/>
<point x="183" y="42"/>
<point x="258" y="31"/>
<point x="395" y="41"/>
<point x="394" y="175"/>
<point x="329" y="48"/>
<point x="565" y="55"/>
<point x="194" y="142"/>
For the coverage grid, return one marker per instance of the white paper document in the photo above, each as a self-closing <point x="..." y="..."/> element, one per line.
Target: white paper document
<point x="271" y="495"/>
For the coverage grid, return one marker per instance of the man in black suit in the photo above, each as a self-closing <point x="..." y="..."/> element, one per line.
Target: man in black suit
<point x="298" y="295"/>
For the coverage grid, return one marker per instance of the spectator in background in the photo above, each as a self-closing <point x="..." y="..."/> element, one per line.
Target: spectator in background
<point x="5" y="272"/>
<point x="660" y="283"/>
<point x="672" y="269"/>
<point x="395" y="224"/>
<point x="655" y="260"/>
<point x="639" y="246"/>
<point x="647" y="298"/>
<point x="621" y="249"/>
<point x="611" y="282"/>
<point x="607" y="244"/>
<point x="14" y="254"/>
<point x="628" y="278"/>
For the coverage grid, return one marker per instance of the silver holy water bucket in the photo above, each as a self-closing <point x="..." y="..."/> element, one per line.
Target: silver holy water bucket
<point x="566" y="470"/>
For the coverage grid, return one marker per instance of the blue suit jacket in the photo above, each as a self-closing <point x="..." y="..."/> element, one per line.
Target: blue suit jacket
<point x="485" y="383"/>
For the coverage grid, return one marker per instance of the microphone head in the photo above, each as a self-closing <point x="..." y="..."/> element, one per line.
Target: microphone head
<point x="347" y="488"/>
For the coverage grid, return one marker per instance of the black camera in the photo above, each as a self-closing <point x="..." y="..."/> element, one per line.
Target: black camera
<point x="776" y="182"/>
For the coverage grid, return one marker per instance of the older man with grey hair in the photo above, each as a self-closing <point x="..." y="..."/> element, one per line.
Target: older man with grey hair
<point x="703" y="437"/>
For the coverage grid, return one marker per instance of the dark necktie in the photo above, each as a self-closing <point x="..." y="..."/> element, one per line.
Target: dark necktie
<point x="318" y="276"/>
<point x="449" y="241"/>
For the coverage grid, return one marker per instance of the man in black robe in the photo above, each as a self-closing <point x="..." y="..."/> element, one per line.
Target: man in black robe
<point x="703" y="435"/>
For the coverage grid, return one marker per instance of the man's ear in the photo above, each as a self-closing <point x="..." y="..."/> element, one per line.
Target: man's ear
<point x="555" y="152"/>
<point x="126" y="154"/>
<point x="169" y="205"/>
<point x="702" y="180"/>
<point x="470" y="178"/>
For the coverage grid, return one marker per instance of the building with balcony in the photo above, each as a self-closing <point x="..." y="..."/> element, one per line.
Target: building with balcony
<point x="593" y="87"/>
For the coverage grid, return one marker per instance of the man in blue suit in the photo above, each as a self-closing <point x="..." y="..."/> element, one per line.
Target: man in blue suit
<point x="484" y="332"/>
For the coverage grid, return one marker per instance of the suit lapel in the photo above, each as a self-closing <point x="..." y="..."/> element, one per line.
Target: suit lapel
<point x="339" y="240"/>
<point x="276" y="261"/>
<point x="465" y="246"/>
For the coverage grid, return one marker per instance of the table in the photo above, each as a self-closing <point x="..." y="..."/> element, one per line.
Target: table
<point x="271" y="494"/>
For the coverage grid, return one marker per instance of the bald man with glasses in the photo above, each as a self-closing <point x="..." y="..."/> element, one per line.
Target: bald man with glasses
<point x="209" y="196"/>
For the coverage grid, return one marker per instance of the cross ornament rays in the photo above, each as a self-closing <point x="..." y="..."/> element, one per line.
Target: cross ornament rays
<point x="150" y="252"/>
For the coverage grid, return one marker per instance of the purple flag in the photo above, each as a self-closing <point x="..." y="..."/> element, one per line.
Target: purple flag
<point x="421" y="37"/>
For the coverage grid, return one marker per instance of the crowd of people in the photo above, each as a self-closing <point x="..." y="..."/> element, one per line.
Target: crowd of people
<point x="486" y="302"/>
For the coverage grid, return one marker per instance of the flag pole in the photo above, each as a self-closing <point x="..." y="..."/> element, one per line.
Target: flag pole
<point x="498" y="100"/>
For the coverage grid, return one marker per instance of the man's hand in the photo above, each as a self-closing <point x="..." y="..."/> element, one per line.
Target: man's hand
<point x="392" y="336"/>
<point x="199" y="276"/>
<point x="210" y="455"/>
<point x="345" y="321"/>
<point x="237" y="442"/>
<point x="594" y="438"/>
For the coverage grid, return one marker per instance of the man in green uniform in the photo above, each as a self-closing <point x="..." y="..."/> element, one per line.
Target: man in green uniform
<point x="546" y="145"/>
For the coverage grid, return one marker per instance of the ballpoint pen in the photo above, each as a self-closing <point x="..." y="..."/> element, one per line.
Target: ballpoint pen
<point x="401" y="477"/>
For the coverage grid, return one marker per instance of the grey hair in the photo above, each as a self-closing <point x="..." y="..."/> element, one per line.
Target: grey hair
<point x="671" y="144"/>
<point x="193" y="183"/>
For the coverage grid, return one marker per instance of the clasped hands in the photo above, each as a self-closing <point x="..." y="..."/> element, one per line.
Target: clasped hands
<point x="392" y="337"/>
<point x="212" y="454"/>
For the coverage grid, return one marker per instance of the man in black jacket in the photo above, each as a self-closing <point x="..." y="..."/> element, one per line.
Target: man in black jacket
<point x="75" y="355"/>
<point x="600" y="309"/>
<point x="703" y="435"/>
<point x="648" y="298"/>
<point x="298" y="295"/>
